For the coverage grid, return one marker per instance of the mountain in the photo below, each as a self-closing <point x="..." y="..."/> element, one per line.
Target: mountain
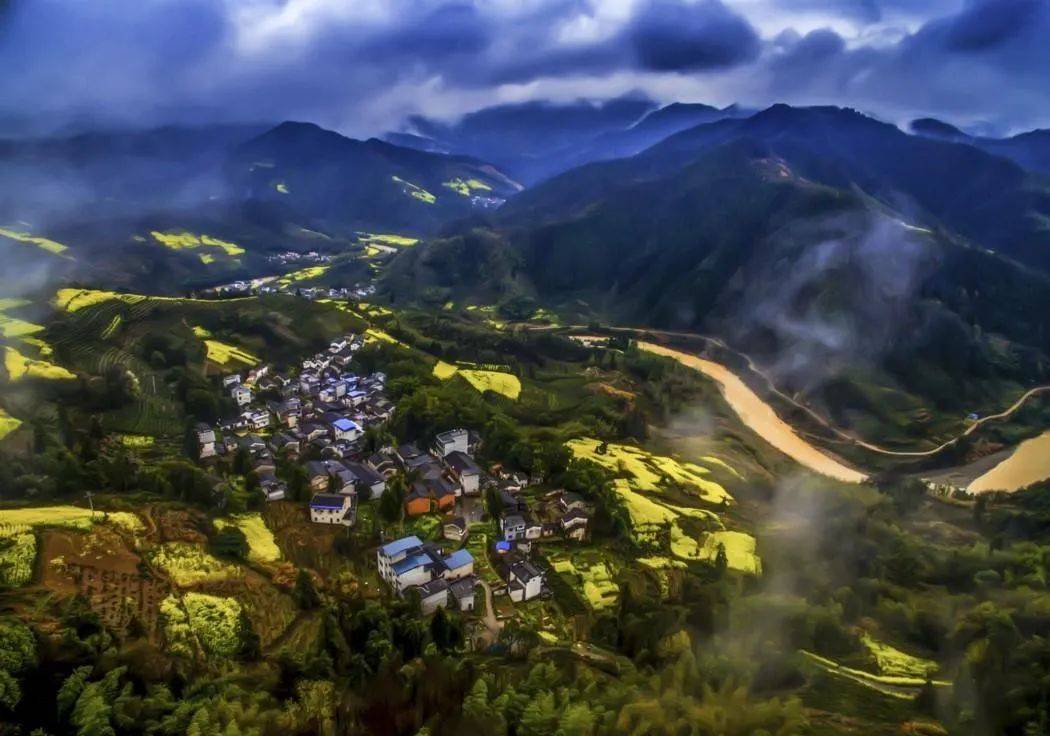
<point x="820" y="241"/>
<point x="341" y="183"/>
<point x="530" y="140"/>
<point x="538" y="140"/>
<point x="1030" y="150"/>
<point x="934" y="128"/>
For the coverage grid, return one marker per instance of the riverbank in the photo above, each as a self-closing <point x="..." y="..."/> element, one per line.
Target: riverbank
<point x="760" y="417"/>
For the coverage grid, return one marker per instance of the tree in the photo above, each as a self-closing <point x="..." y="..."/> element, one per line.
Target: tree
<point x="230" y="542"/>
<point x="305" y="593"/>
<point x="392" y="503"/>
<point x="721" y="560"/>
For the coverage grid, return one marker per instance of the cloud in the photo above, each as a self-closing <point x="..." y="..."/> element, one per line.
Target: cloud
<point x="674" y="36"/>
<point x="989" y="23"/>
<point x="364" y="65"/>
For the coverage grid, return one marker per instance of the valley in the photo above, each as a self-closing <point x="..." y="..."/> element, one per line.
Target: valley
<point x="380" y="440"/>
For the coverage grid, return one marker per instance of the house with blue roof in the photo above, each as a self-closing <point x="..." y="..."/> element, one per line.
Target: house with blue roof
<point x="409" y="562"/>
<point x="346" y="429"/>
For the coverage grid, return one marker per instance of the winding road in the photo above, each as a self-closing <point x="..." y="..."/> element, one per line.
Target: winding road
<point x="823" y="421"/>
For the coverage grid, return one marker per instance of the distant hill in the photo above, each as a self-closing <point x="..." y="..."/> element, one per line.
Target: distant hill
<point x="536" y="140"/>
<point x="821" y="241"/>
<point x="935" y="128"/>
<point x="1030" y="150"/>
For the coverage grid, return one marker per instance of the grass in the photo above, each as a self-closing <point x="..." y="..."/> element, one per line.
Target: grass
<point x="444" y="371"/>
<point x="187" y="564"/>
<point x="895" y="663"/>
<point x="223" y="354"/>
<point x="882" y="683"/>
<point x="19" y="366"/>
<point x="373" y="335"/>
<point x="73" y="300"/>
<point x="262" y="547"/>
<point x="12" y="327"/>
<point x="50" y="246"/>
<point x="414" y="190"/>
<point x="303" y="274"/>
<point x="189" y="241"/>
<point x="390" y="239"/>
<point x="69" y="517"/>
<point x="466" y="187"/>
<point x="8" y="423"/>
<point x="740" y="550"/>
<point x="506" y="384"/>
<point x="649" y="472"/>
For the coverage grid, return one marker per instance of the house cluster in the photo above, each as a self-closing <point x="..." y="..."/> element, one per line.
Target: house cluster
<point x="560" y="514"/>
<point x="437" y="476"/>
<point x="441" y="580"/>
<point x="321" y="412"/>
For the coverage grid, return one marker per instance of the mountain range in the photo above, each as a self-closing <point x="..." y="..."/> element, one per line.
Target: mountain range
<point x="855" y="260"/>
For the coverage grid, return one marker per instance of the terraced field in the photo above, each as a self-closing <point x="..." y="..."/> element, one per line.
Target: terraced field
<point x="652" y="473"/>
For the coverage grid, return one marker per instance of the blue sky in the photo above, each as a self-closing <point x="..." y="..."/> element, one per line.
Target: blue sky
<point x="361" y="66"/>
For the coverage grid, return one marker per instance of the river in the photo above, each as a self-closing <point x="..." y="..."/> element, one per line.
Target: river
<point x="760" y="417"/>
<point x="1028" y="464"/>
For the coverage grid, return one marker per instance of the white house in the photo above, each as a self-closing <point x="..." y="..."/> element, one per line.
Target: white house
<point x="433" y="595"/>
<point x="346" y="429"/>
<point x="513" y="527"/>
<point x="241" y="394"/>
<point x="467" y="472"/>
<point x="457" y="565"/>
<point x="461" y="593"/>
<point x="332" y="508"/>
<point x="454" y="440"/>
<point x="258" y="419"/>
<point x="524" y="581"/>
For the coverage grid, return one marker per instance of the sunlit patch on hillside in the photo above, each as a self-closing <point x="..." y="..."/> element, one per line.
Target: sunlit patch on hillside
<point x="223" y="353"/>
<point x="8" y="423"/>
<point x="46" y="244"/>
<point x="18" y="366"/>
<point x="466" y="187"/>
<point x="649" y="472"/>
<point x="262" y="547"/>
<point x="214" y="248"/>
<point x="414" y="190"/>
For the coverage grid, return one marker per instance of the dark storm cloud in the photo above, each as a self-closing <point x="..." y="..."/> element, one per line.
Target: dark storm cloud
<point x="361" y="66"/>
<point x="673" y="36"/>
<point x="989" y="23"/>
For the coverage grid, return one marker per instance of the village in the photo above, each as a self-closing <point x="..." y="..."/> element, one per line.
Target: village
<point x="317" y="419"/>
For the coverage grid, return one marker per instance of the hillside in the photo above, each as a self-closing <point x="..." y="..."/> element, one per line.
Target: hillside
<point x="792" y="252"/>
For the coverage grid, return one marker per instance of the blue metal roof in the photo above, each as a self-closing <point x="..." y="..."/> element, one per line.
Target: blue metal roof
<point x="400" y="545"/>
<point x="411" y="563"/>
<point x="459" y="558"/>
<point x="344" y="425"/>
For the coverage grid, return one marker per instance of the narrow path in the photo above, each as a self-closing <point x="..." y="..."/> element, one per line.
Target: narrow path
<point x="493" y="624"/>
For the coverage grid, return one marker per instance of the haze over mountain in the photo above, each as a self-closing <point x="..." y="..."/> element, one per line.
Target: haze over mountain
<point x="822" y="241"/>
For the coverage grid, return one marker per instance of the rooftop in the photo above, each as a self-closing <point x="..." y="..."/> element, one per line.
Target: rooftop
<point x="459" y="558"/>
<point x="328" y="501"/>
<point x="400" y="545"/>
<point x="412" y="562"/>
